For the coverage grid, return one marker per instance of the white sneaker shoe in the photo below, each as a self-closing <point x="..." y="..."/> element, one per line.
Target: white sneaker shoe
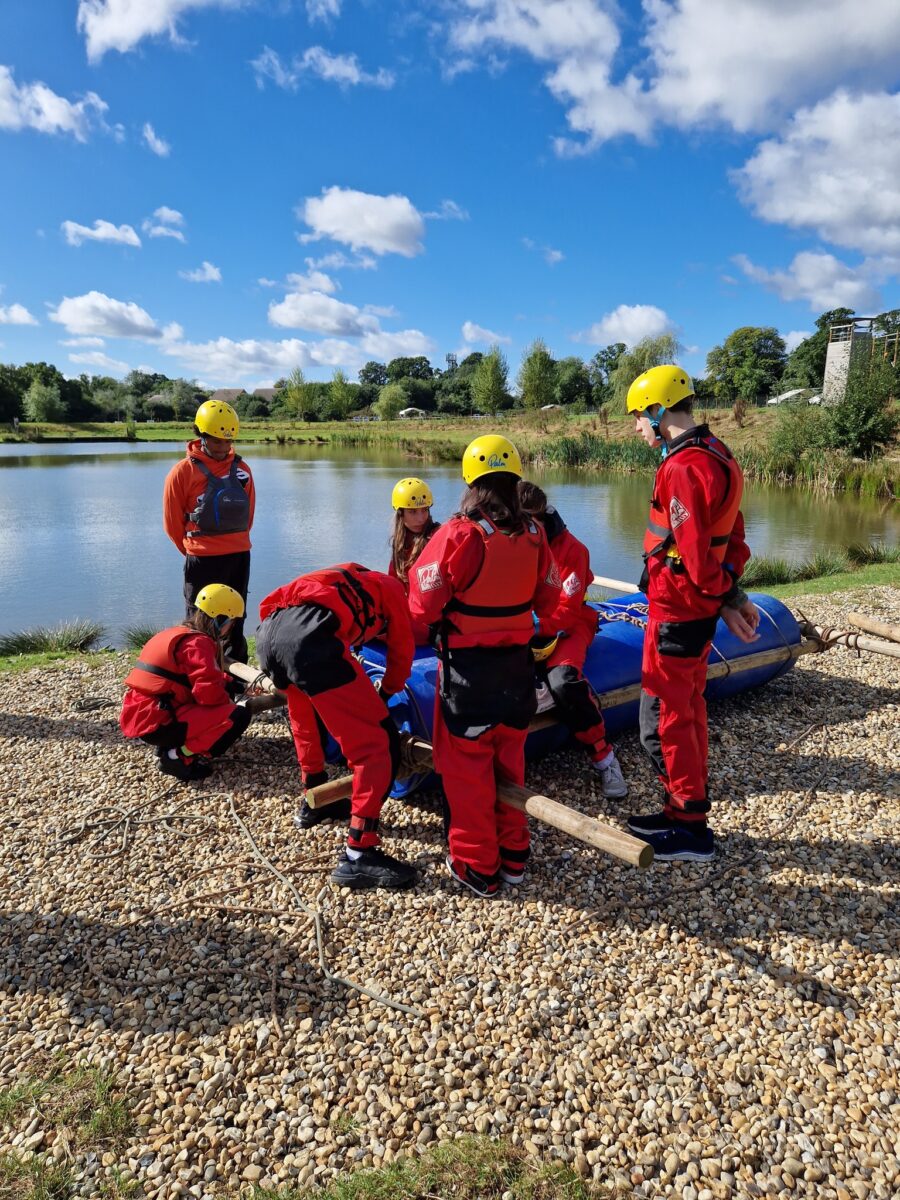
<point x="544" y="697"/>
<point x="612" y="781"/>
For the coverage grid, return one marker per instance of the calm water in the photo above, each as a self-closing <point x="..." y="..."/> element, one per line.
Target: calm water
<point x="81" y="529"/>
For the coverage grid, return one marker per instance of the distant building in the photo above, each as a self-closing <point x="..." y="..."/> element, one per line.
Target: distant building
<point x="267" y="394"/>
<point x="407" y="413"/>
<point x="847" y="341"/>
<point x="228" y="395"/>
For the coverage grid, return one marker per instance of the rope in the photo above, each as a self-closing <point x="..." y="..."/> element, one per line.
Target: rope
<point x="316" y="917"/>
<point x="108" y="819"/>
<point x="90" y="703"/>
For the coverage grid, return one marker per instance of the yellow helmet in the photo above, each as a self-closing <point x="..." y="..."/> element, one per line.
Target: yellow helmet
<point x="220" y="600"/>
<point x="664" y="385"/>
<point x="543" y="647"/>
<point x="488" y="454"/>
<point x="217" y="419"/>
<point x="412" y="493"/>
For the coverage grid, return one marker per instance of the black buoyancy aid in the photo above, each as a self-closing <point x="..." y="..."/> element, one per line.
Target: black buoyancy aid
<point x="224" y="506"/>
<point x="156" y="672"/>
<point x="500" y="597"/>
<point x="659" y="538"/>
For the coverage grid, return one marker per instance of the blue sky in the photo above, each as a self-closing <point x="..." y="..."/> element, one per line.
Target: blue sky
<point x="225" y="189"/>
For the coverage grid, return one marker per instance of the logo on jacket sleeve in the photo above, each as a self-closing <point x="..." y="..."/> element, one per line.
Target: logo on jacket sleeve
<point x="552" y="579"/>
<point x="429" y="577"/>
<point x="572" y="585"/>
<point x="678" y="514"/>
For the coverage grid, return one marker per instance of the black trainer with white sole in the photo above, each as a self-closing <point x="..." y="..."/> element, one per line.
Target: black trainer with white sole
<point x="307" y="817"/>
<point x="373" y="869"/>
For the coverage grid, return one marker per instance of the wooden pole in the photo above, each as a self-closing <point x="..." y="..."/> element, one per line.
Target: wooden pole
<point x="251" y="675"/>
<point x="847" y="637"/>
<point x="880" y="628"/>
<point x="614" y="585"/>
<point x="595" y="833"/>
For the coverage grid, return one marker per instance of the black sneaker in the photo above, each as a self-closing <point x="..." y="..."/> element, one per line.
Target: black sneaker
<point x="307" y="817"/>
<point x="373" y="869"/>
<point x="187" y="770"/>
<point x="482" y="885"/>
<point x="651" y="823"/>
<point x="679" y="844"/>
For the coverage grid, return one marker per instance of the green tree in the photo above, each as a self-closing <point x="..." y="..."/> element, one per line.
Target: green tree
<point x="600" y="370"/>
<point x="489" y="382"/>
<point x="453" y="391"/>
<point x="806" y="363"/>
<point x="748" y="365"/>
<point x="182" y="395"/>
<point x="374" y="372"/>
<point x="866" y="419"/>
<point x="297" y="397"/>
<point x="573" y="382"/>
<point x="12" y="390"/>
<point x="537" y="376"/>
<point x="391" y="399"/>
<point x="43" y="402"/>
<point x="340" y="396"/>
<point x="648" y="352"/>
<point x="409" y="368"/>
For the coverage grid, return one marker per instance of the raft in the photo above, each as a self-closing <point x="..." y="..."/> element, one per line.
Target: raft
<point x="613" y="663"/>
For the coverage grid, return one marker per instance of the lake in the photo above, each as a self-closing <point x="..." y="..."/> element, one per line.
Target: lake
<point x="81" y="523"/>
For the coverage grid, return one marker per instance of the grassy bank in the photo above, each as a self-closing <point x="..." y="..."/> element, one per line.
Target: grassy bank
<point x="877" y="575"/>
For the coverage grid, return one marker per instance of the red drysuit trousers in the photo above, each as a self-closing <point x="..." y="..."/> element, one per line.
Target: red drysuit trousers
<point x="358" y="720"/>
<point x="575" y="699"/>
<point x="483" y="831"/>
<point x="673" y="712"/>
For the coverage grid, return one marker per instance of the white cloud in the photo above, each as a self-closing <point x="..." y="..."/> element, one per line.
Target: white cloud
<point x="223" y="360"/>
<point x="362" y="221"/>
<point x="35" y="106"/>
<point x="550" y="255"/>
<point x="835" y="170"/>
<point x="103" y="361"/>
<point x="97" y="314"/>
<point x="100" y="231"/>
<point x="745" y="64"/>
<point x="321" y="314"/>
<point x="122" y="24"/>
<point x="154" y="142"/>
<point x="473" y="334"/>
<point x="397" y="344"/>
<point x="338" y="261"/>
<point x="205" y="273"/>
<point x="16" y="314"/>
<point x="168" y="216"/>
<point x="449" y="211"/>
<point x="323" y="10"/>
<point x="312" y="281"/>
<point x="822" y="280"/>
<point x="628" y="323"/>
<point x="83" y="341"/>
<point x="316" y="62"/>
<point x="793" y="339"/>
<point x="165" y="222"/>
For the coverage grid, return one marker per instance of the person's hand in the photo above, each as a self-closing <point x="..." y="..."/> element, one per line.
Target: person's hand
<point x="742" y="621"/>
<point x="379" y="688"/>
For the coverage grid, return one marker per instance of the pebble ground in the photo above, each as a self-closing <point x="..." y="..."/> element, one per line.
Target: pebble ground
<point x="693" y="1031"/>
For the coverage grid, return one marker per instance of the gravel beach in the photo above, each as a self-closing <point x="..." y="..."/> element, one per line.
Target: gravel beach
<point x="696" y="1031"/>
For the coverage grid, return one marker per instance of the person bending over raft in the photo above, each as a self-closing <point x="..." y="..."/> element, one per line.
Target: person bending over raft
<point x="564" y="638"/>
<point x="304" y="645"/>
<point x="413" y="526"/>
<point x="694" y="556"/>
<point x="176" y="697"/>
<point x="479" y="578"/>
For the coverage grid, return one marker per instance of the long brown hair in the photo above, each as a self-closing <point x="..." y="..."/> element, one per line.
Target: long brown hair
<point x="202" y="623"/>
<point x="406" y="546"/>
<point x="532" y="499"/>
<point x="495" y="496"/>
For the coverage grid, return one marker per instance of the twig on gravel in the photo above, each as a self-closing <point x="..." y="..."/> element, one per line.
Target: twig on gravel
<point x="316" y="916"/>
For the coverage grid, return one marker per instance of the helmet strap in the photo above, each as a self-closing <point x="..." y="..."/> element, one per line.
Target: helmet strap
<point x="654" y="419"/>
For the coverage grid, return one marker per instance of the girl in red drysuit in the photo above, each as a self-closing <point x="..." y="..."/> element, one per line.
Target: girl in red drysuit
<point x="573" y="626"/>
<point x="480" y="577"/>
<point x="413" y="526"/>
<point x="176" y="697"/>
<point x="304" y="645"/>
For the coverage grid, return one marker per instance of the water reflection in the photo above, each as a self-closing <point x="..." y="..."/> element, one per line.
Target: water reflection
<point x="87" y="540"/>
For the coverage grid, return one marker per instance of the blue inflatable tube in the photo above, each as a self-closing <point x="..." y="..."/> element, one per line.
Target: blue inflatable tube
<point x="613" y="662"/>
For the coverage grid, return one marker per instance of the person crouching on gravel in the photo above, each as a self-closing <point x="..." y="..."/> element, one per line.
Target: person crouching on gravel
<point x="569" y="633"/>
<point x="304" y="645"/>
<point x="478" y="580"/>
<point x="176" y="697"/>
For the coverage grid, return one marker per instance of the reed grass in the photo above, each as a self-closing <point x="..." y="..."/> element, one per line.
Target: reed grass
<point x="772" y="572"/>
<point x="75" y="636"/>
<point x="136" y="636"/>
<point x="863" y="554"/>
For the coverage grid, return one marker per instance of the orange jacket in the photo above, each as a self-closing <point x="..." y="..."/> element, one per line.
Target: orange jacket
<point x="184" y="485"/>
